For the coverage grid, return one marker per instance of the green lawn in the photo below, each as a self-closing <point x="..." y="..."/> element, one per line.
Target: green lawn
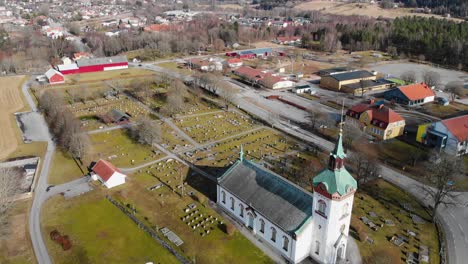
<point x="175" y="67"/>
<point x="64" y="169"/>
<point x="386" y="201"/>
<point x="163" y="207"/>
<point x="99" y="232"/>
<point x="117" y="147"/>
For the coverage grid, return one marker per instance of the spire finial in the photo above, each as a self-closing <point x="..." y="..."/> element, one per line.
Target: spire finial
<point x="241" y="153"/>
<point x="341" y="118"/>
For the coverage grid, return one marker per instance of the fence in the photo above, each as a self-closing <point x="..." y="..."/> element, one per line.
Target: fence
<point x="148" y="230"/>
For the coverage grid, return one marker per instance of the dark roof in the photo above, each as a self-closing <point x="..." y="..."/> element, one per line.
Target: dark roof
<point x="351" y="75"/>
<point x="117" y="115"/>
<point x="280" y="201"/>
<point x="101" y="61"/>
<point x="332" y="70"/>
<point x="368" y="84"/>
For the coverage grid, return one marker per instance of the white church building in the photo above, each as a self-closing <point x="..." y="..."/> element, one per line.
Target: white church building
<point x="296" y="223"/>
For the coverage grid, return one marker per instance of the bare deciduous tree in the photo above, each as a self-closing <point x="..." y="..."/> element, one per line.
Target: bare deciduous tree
<point x="409" y="76"/>
<point x="455" y="89"/>
<point x="431" y="78"/>
<point x="442" y="174"/>
<point x="366" y="167"/>
<point x="147" y="132"/>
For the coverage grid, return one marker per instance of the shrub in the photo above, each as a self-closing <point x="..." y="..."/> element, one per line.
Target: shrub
<point x="230" y="229"/>
<point x="362" y="236"/>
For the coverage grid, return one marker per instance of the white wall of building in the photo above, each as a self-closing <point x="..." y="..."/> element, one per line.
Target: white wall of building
<point x="115" y="180"/>
<point x="429" y="99"/>
<point x="283" y="84"/>
<point x="453" y="146"/>
<point x="115" y="68"/>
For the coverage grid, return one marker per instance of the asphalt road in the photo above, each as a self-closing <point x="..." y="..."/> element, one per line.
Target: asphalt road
<point x="453" y="219"/>
<point x="40" y="194"/>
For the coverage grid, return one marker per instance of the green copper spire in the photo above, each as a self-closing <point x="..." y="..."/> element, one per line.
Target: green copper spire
<point x="338" y="151"/>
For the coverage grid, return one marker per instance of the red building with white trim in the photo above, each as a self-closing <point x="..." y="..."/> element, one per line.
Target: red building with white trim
<point x="95" y="65"/>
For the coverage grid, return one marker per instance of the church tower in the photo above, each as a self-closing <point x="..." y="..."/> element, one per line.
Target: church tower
<point x="334" y="190"/>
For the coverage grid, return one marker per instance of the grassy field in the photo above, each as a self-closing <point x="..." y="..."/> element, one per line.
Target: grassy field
<point x="164" y="207"/>
<point x="107" y="75"/>
<point x="122" y="151"/>
<point x="99" y="232"/>
<point x="64" y="169"/>
<point x="15" y="246"/>
<point x="174" y="67"/>
<point x="388" y="202"/>
<point x="438" y="110"/>
<point x="363" y="9"/>
<point x="11" y="101"/>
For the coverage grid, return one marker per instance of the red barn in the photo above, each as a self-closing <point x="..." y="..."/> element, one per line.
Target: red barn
<point x="102" y="64"/>
<point x="54" y="77"/>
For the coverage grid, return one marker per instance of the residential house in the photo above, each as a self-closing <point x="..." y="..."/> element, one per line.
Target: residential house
<point x="449" y="135"/>
<point x="259" y="77"/>
<point x="376" y="120"/>
<point x="107" y="174"/>
<point x="287" y="40"/>
<point x="295" y="223"/>
<point x="211" y="64"/>
<point x="66" y="60"/>
<point x="411" y="95"/>
<point x="82" y="55"/>
<point x="335" y="81"/>
<point x="234" y="63"/>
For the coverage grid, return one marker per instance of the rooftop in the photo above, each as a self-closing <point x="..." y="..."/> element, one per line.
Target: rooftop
<point x="279" y="200"/>
<point x="416" y="91"/>
<point x="99" y="61"/>
<point x="351" y="75"/>
<point x="458" y="126"/>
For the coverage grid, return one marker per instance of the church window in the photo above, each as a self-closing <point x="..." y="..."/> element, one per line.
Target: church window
<point x="342" y="228"/>
<point x="322" y="206"/>
<point x="232" y="203"/>
<point x="345" y="210"/>
<point x="223" y="194"/>
<point x="273" y="234"/>
<point x="317" y="247"/>
<point x="285" y="243"/>
<point x="241" y="210"/>
<point x="262" y="226"/>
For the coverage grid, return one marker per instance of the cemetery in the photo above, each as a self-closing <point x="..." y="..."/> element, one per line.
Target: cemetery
<point x="204" y="128"/>
<point x="183" y="215"/>
<point x="385" y="216"/>
<point x="117" y="147"/>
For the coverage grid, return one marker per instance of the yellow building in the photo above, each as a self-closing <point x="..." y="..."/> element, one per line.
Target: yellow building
<point x="377" y="120"/>
<point x="335" y="81"/>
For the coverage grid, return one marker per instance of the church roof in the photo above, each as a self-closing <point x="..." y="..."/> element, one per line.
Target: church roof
<point x="336" y="181"/>
<point x="338" y="151"/>
<point x="277" y="199"/>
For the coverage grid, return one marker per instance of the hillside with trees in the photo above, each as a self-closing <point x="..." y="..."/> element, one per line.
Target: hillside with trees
<point x="458" y="8"/>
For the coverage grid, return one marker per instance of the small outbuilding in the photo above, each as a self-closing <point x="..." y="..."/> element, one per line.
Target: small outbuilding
<point x="54" y="77"/>
<point x="107" y="174"/>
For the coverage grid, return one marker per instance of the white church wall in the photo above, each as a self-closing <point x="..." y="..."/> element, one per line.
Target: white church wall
<point x="303" y="243"/>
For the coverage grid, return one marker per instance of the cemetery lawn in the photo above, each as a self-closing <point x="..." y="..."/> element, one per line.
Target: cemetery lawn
<point x="387" y="201"/>
<point x="107" y="75"/>
<point x="64" y="168"/>
<point x="99" y="232"/>
<point x="164" y="207"/>
<point x="116" y="142"/>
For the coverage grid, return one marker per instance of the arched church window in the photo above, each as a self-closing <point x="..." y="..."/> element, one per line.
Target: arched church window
<point x="273" y="234"/>
<point x="262" y="226"/>
<point x="285" y="243"/>
<point x="241" y="210"/>
<point x="342" y="228"/>
<point x="345" y="209"/>
<point x="322" y="206"/>
<point x="223" y="196"/>
<point x="232" y="203"/>
<point x="317" y="247"/>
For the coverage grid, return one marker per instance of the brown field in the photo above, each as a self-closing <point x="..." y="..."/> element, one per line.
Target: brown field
<point x="11" y="101"/>
<point x="363" y="9"/>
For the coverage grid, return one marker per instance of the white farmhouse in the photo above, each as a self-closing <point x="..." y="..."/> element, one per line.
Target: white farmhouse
<point x="107" y="174"/>
<point x="296" y="223"/>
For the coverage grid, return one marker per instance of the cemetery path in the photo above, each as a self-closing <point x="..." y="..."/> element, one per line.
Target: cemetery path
<point x="40" y="196"/>
<point x="132" y="169"/>
<point x="201" y="114"/>
<point x="97" y="131"/>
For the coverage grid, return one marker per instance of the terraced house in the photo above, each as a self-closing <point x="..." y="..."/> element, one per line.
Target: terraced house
<point x="376" y="120"/>
<point x="295" y="223"/>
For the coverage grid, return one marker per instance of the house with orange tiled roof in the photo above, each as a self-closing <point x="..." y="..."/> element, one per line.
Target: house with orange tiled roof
<point x="376" y="119"/>
<point x="107" y="174"/>
<point x="411" y="95"/>
<point x="449" y="135"/>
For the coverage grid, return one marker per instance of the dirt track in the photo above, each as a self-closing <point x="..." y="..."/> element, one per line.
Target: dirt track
<point x="11" y="101"/>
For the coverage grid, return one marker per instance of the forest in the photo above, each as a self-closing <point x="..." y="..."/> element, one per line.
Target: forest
<point x="458" y="8"/>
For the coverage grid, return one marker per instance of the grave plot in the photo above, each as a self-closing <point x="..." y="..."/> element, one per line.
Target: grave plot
<point x="384" y="217"/>
<point x="205" y="128"/>
<point x="171" y="140"/>
<point x="163" y="207"/>
<point x="199" y="108"/>
<point x="121" y="150"/>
